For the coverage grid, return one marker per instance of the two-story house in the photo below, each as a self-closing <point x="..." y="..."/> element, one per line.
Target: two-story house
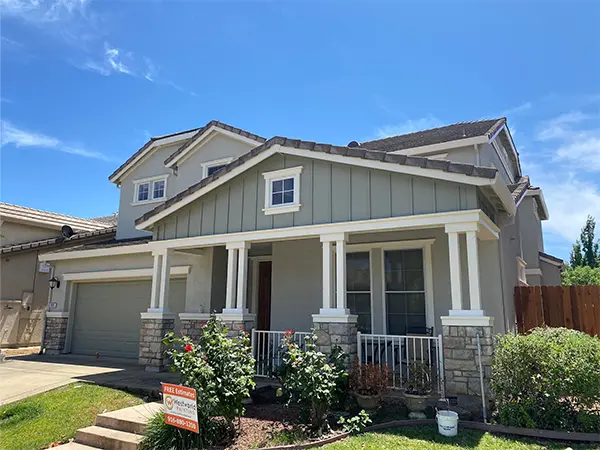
<point x="423" y="234"/>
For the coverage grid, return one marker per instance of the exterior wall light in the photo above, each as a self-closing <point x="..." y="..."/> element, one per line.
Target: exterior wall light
<point x="54" y="283"/>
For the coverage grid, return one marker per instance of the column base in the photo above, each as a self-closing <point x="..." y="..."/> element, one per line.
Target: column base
<point x="337" y="331"/>
<point x="472" y="320"/>
<point x="334" y="315"/>
<point x="192" y="323"/>
<point x="55" y="336"/>
<point x="237" y="321"/>
<point x="152" y="350"/>
<point x="461" y="359"/>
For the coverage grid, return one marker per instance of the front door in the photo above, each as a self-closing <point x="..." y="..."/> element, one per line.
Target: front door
<point x="264" y="295"/>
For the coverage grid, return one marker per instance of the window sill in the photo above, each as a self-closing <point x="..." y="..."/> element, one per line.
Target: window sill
<point x="281" y="209"/>
<point x="149" y="202"/>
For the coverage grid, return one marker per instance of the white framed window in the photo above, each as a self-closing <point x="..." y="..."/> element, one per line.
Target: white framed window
<point x="282" y="191"/>
<point x="210" y="167"/>
<point x="150" y="190"/>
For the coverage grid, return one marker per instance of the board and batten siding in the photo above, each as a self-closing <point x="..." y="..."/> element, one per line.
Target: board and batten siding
<point x="329" y="193"/>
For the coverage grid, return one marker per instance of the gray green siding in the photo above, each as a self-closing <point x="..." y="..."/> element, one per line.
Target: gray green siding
<point x="329" y="192"/>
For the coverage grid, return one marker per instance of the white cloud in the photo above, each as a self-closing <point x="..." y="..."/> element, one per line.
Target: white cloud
<point x="517" y="109"/>
<point x="18" y="137"/>
<point x="42" y="11"/>
<point x="408" y="126"/>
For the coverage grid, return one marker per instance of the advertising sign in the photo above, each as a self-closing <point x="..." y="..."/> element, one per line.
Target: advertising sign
<point x="180" y="406"/>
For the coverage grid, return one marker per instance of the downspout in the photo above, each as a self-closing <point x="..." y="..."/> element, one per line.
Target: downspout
<point x="43" y="343"/>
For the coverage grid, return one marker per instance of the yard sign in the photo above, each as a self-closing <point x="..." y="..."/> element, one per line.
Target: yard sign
<point x="180" y="406"/>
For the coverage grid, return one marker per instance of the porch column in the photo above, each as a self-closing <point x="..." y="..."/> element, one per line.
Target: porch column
<point x="165" y="275"/>
<point x="473" y="266"/>
<point x="455" y="273"/>
<point x="340" y="268"/>
<point x="155" y="281"/>
<point x="327" y="275"/>
<point x="235" y="315"/>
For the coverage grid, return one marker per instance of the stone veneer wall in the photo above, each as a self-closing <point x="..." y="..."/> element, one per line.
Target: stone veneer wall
<point x="332" y="334"/>
<point x="152" y="349"/>
<point x="55" y="335"/>
<point x="236" y="327"/>
<point x="461" y="360"/>
<point x="192" y="328"/>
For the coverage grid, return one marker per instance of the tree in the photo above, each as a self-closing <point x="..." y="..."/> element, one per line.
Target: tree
<point x="586" y="251"/>
<point x="581" y="276"/>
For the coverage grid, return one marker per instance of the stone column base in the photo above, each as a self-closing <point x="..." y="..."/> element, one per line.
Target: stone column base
<point x="153" y="330"/>
<point x="336" y="334"/>
<point x="461" y="360"/>
<point x="192" y="323"/>
<point x="55" y="335"/>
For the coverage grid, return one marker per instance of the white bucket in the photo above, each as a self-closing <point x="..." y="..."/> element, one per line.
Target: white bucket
<point x="447" y="423"/>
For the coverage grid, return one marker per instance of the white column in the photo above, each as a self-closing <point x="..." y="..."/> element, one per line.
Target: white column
<point x="155" y="281"/>
<point x="165" y="274"/>
<point x="242" y="278"/>
<point x="327" y="275"/>
<point x="473" y="267"/>
<point x="455" y="277"/>
<point x="231" y="278"/>
<point x="340" y="267"/>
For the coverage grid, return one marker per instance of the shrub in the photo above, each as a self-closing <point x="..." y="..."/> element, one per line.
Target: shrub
<point x="369" y="379"/>
<point x="581" y="276"/>
<point x="419" y="378"/>
<point x="309" y="379"/>
<point x="548" y="379"/>
<point x="221" y="369"/>
<point x="355" y="424"/>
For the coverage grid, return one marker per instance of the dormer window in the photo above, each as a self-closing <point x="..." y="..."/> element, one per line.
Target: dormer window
<point x="150" y="190"/>
<point x="210" y="167"/>
<point x="282" y="191"/>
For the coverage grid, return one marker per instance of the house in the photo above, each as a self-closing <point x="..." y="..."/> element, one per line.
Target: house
<point x="422" y="235"/>
<point x="24" y="233"/>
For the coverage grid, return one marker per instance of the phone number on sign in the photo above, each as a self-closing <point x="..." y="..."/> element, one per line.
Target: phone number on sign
<point x="176" y="421"/>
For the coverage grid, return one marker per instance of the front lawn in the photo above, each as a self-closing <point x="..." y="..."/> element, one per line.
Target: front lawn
<point x="38" y="421"/>
<point x="427" y="438"/>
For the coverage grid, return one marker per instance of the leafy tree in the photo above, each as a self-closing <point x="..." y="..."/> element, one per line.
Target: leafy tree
<point x="586" y="251"/>
<point x="581" y="276"/>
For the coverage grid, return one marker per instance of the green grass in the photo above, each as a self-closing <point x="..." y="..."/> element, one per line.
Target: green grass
<point x="426" y="438"/>
<point x="36" y="422"/>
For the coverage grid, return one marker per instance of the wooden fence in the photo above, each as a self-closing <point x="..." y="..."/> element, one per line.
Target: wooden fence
<point x="576" y="307"/>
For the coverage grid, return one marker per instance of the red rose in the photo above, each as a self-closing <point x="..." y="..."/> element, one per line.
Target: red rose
<point x="188" y="348"/>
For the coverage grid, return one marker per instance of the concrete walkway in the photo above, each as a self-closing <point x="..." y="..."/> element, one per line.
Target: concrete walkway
<point x="24" y="376"/>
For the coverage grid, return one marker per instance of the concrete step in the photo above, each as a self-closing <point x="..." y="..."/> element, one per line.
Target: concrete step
<point x="107" y="438"/>
<point x="130" y="420"/>
<point x="75" y="446"/>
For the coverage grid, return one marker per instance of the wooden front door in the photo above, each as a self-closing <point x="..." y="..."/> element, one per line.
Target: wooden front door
<point x="264" y="295"/>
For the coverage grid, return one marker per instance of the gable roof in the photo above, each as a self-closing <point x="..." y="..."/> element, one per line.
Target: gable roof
<point x="204" y="129"/>
<point x="82" y="237"/>
<point x="519" y="189"/>
<point x="454" y="132"/>
<point x="351" y="152"/>
<point x="47" y="219"/>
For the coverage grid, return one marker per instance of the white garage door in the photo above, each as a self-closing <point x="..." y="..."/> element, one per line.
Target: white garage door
<point x="107" y="316"/>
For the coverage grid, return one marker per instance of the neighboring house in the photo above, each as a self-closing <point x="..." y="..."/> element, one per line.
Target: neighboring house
<point x="24" y="233"/>
<point x="426" y="233"/>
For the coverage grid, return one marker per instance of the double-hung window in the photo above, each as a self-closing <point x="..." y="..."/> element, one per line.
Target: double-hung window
<point x="150" y="190"/>
<point x="282" y="191"/>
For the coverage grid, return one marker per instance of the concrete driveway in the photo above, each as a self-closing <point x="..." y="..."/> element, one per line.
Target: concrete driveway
<point x="23" y="376"/>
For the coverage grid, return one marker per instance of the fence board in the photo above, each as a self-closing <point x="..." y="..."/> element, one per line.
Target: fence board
<point x="576" y="307"/>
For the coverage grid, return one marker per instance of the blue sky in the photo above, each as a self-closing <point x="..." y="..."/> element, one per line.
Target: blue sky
<point x="85" y="83"/>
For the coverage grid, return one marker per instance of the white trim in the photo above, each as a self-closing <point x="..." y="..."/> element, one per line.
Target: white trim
<point x="335" y="318"/>
<point x="279" y="175"/>
<point x="521" y="271"/>
<point x="163" y="315"/>
<point x="206" y="137"/>
<point x="194" y="316"/>
<point x="533" y="271"/>
<point x="442" y="146"/>
<point x="158" y="142"/>
<point x="540" y="194"/>
<point x="393" y="245"/>
<point x="467" y="321"/>
<point x="237" y="316"/>
<point x="150" y="182"/>
<point x="217" y="162"/>
<point x="390" y="167"/>
<point x="58" y="314"/>
<point x="550" y="261"/>
<point x="310" y="231"/>
<point x="503" y="157"/>
<point x="124" y="274"/>
<point x="96" y="253"/>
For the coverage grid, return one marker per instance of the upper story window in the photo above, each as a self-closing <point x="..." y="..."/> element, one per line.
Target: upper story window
<point x="210" y="167"/>
<point x="282" y="191"/>
<point x="148" y="190"/>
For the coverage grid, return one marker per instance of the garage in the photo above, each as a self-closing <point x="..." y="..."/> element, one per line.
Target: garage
<point x="107" y="316"/>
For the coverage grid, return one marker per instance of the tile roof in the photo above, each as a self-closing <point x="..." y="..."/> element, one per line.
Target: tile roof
<point x="112" y="242"/>
<point x="59" y="240"/>
<point x="109" y="220"/>
<point x="47" y="219"/>
<point x="353" y="152"/>
<point x="214" y="123"/>
<point x="519" y="189"/>
<point x="457" y="131"/>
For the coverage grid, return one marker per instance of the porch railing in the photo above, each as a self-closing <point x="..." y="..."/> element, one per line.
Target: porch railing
<point x="399" y="353"/>
<point x="268" y="351"/>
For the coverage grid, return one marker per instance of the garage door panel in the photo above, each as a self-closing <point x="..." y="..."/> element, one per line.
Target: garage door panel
<point x="107" y="316"/>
